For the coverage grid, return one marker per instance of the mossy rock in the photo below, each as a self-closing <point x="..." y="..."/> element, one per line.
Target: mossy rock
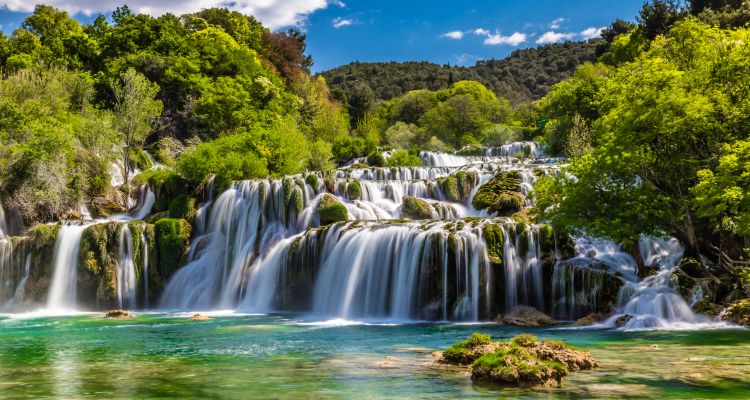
<point x="330" y="210"/>
<point x="297" y="201"/>
<point x="313" y="181"/>
<point x="414" y="208"/>
<point x="43" y="236"/>
<point x="494" y="240"/>
<point x="354" y="190"/>
<point x="183" y="206"/>
<point x="501" y="195"/>
<point x="287" y="184"/>
<point x="172" y="242"/>
<point x="738" y="312"/>
<point x="458" y="186"/>
<point x="522" y="361"/>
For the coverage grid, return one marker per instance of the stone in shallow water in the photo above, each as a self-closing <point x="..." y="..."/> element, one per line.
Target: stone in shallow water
<point x="526" y="316"/>
<point x="199" y="317"/>
<point x="590" y="319"/>
<point x="118" y="314"/>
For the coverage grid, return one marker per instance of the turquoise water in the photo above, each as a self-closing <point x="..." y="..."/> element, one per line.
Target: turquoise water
<point x="283" y="356"/>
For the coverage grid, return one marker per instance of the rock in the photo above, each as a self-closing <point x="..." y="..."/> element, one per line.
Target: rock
<point x="376" y="159"/>
<point x="172" y="242"/>
<point x="501" y="195"/>
<point x="623" y="320"/>
<point x="738" y="312"/>
<point x="182" y="206"/>
<point x="523" y="361"/>
<point x="414" y="208"/>
<point x="199" y="317"/>
<point x="526" y="316"/>
<point x="706" y="307"/>
<point x="588" y="320"/>
<point x="312" y="180"/>
<point x="72" y="215"/>
<point x="353" y="190"/>
<point x="118" y="314"/>
<point x="458" y="186"/>
<point x="330" y="210"/>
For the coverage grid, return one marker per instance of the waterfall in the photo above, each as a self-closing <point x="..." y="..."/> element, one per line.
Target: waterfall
<point x="4" y="232"/>
<point x="126" y="276"/>
<point x="516" y="149"/>
<point x="577" y="285"/>
<point x="62" y="292"/>
<point x="523" y="273"/>
<point x="144" y="248"/>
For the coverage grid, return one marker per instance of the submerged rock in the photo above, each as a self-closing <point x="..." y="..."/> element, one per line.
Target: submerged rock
<point x="522" y="361"/>
<point x="199" y="317"/>
<point x="588" y="320"/>
<point x="118" y="314"/>
<point x="623" y="320"/>
<point x="526" y="316"/>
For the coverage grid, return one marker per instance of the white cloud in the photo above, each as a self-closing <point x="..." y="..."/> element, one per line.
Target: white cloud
<point x="591" y="33"/>
<point x="555" y="24"/>
<point x="481" y="32"/>
<point x="455" y="35"/>
<point x="273" y="13"/>
<point x="513" y="40"/>
<point x="554" y="37"/>
<point x="341" y="22"/>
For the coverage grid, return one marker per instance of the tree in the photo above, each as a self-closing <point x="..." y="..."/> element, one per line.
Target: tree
<point x="657" y="16"/>
<point x="137" y="110"/>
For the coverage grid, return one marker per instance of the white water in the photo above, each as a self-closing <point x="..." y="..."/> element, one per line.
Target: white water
<point x="126" y="280"/>
<point x="62" y="292"/>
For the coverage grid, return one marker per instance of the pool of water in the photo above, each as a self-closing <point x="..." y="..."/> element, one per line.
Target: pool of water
<point x="285" y="356"/>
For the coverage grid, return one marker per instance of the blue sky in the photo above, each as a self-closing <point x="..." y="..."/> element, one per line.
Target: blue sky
<point x="342" y="31"/>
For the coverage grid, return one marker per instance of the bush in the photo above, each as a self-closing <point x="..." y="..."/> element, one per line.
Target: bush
<point x="172" y="241"/>
<point x="183" y="206"/>
<point x="404" y="159"/>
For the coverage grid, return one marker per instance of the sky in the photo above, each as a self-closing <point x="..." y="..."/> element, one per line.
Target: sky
<point x="341" y="31"/>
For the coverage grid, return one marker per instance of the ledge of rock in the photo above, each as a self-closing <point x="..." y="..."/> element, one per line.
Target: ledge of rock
<point x="526" y="316"/>
<point x="118" y="314"/>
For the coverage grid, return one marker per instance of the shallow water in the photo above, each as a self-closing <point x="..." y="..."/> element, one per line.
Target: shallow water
<point x="286" y="356"/>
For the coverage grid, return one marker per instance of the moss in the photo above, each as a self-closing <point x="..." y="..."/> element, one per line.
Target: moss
<point x="414" y="208"/>
<point x="449" y="185"/>
<point x="463" y="352"/>
<point x="297" y="200"/>
<point x="360" y="166"/>
<point x="172" y="241"/>
<point x="287" y="184"/>
<point x="353" y="190"/>
<point x="494" y="240"/>
<point x="43" y="235"/>
<point x="524" y="340"/>
<point x="501" y="195"/>
<point x="140" y="159"/>
<point x="738" y="312"/>
<point x="330" y="210"/>
<point x="312" y="180"/>
<point x="376" y="159"/>
<point x="183" y="206"/>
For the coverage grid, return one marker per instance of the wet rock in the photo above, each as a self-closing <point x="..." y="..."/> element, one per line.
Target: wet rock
<point x="199" y="317"/>
<point x="330" y="210"/>
<point x="523" y="361"/>
<point x="623" y="320"/>
<point x="526" y="316"/>
<point x="414" y="208"/>
<point x="706" y="307"/>
<point x="458" y="186"/>
<point x="738" y="312"/>
<point x="588" y="320"/>
<point x="118" y="314"/>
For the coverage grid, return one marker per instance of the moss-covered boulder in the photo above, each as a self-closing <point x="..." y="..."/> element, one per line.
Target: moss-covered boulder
<point x="501" y="195"/>
<point x="376" y="159"/>
<point x="414" y="208"/>
<point x="354" y="190"/>
<point x="172" y="243"/>
<point x="522" y="361"/>
<point x="330" y="210"/>
<point x="297" y="201"/>
<point x="183" y="206"/>
<point x="738" y="312"/>
<point x="494" y="240"/>
<point x="457" y="187"/>
<point x="526" y="316"/>
<point x="313" y="181"/>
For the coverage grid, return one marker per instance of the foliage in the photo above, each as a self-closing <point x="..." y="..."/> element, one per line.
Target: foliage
<point x="524" y="75"/>
<point x="173" y="240"/>
<point x="404" y="158"/>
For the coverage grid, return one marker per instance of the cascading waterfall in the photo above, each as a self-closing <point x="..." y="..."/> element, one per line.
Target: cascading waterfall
<point x="144" y="248"/>
<point x="126" y="277"/>
<point x="523" y="275"/>
<point x="62" y="292"/>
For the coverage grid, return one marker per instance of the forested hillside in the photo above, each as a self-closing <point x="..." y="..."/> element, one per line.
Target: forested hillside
<point x="524" y="75"/>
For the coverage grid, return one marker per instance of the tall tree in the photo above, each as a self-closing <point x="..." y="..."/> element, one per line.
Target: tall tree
<point x="136" y="110"/>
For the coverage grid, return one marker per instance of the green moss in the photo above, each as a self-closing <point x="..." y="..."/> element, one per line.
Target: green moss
<point x="376" y="159"/>
<point x="287" y="183"/>
<point x="297" y="200"/>
<point x="501" y="195"/>
<point x="312" y="180"/>
<point x="494" y="239"/>
<point x="354" y="191"/>
<point x="330" y="210"/>
<point x="414" y="208"/>
<point x="462" y="352"/>
<point x="140" y="159"/>
<point x="524" y="340"/>
<point x="43" y="235"/>
<point x="183" y="206"/>
<point x="449" y="185"/>
<point x="172" y="241"/>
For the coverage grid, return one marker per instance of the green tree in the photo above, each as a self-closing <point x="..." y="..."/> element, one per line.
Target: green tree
<point x="137" y="111"/>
